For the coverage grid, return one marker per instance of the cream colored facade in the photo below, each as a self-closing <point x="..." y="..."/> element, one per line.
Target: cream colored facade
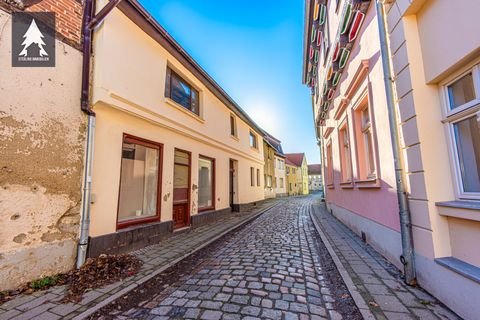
<point x="280" y="176"/>
<point x="41" y="160"/>
<point x="433" y="44"/>
<point x="128" y="98"/>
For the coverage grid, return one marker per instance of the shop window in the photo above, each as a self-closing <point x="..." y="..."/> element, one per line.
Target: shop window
<point x="206" y="183"/>
<point x="140" y="181"/>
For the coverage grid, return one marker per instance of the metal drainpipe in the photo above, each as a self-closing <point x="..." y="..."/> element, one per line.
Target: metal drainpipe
<point x="408" y="257"/>
<point x="88" y="25"/>
<point x="85" y="107"/>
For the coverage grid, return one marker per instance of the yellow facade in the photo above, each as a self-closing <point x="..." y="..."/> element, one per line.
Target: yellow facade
<point x="269" y="170"/>
<point x="293" y="186"/>
<point x="303" y="176"/>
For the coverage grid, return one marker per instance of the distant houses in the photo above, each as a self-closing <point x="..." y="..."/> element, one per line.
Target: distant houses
<point x="315" y="177"/>
<point x="297" y="173"/>
<point x="104" y="156"/>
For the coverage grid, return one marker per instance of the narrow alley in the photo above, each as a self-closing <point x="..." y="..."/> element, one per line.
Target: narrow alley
<point x="277" y="267"/>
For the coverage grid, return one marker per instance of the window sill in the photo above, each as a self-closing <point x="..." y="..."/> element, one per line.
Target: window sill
<point x="346" y="185"/>
<point x="330" y="186"/>
<point x="463" y="209"/>
<point x="253" y="148"/>
<point x="461" y="267"/>
<point x="136" y="221"/>
<point x="234" y="138"/>
<point x="373" y="183"/>
<point x="207" y="209"/>
<point x="184" y="110"/>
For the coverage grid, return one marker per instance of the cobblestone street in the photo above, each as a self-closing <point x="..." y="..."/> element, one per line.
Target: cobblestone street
<point x="270" y="269"/>
<point x="274" y="266"/>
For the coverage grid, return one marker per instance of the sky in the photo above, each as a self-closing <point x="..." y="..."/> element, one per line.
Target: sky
<point x="254" y="50"/>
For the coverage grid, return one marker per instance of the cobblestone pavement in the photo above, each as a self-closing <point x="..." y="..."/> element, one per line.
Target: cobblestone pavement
<point x="272" y="268"/>
<point x="378" y="282"/>
<point x="47" y="304"/>
<point x="269" y="270"/>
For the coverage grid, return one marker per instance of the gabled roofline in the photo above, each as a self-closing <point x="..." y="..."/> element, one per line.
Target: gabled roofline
<point x="144" y="20"/>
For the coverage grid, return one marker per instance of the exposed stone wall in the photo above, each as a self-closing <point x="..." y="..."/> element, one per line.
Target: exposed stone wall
<point x="42" y="137"/>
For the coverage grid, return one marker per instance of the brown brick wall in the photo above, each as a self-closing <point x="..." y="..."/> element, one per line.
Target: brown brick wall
<point x="68" y="15"/>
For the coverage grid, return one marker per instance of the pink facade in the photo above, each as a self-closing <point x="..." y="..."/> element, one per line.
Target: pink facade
<point x="352" y="122"/>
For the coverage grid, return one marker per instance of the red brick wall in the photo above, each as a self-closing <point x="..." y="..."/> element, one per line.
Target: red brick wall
<point x="68" y="16"/>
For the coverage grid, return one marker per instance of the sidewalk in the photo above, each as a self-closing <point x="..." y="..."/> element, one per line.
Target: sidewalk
<point x="157" y="258"/>
<point x="373" y="282"/>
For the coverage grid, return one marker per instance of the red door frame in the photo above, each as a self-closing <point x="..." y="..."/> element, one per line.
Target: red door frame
<point x="187" y="223"/>
<point x="212" y="207"/>
<point x="155" y="145"/>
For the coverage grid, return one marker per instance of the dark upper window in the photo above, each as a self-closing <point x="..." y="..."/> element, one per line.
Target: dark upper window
<point x="181" y="91"/>
<point x="253" y="140"/>
<point x="233" y="126"/>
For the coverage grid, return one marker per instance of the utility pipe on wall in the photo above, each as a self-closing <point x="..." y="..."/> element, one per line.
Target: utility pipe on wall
<point x="408" y="256"/>
<point x="88" y="25"/>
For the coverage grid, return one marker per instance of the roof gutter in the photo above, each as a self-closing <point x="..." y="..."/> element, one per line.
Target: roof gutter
<point x="88" y="25"/>
<point x="173" y="47"/>
<point x="306" y="37"/>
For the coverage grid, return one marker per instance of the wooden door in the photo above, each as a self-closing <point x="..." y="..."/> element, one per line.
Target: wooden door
<point x="233" y="185"/>
<point x="232" y="170"/>
<point x="181" y="189"/>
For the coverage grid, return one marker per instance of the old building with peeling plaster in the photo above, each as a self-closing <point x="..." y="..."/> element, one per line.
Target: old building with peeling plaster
<point x="41" y="151"/>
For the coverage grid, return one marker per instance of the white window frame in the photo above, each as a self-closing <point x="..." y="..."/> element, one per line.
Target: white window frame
<point x="453" y="116"/>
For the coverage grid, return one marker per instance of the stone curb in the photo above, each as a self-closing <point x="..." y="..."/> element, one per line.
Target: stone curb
<point x="120" y="293"/>
<point x="357" y="297"/>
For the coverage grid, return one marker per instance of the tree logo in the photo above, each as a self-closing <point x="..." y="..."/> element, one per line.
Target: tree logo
<point x="33" y="39"/>
<point x="33" y="36"/>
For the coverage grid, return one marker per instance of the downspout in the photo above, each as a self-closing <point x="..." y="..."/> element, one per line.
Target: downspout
<point x="408" y="256"/>
<point x="88" y="25"/>
<point x="85" y="106"/>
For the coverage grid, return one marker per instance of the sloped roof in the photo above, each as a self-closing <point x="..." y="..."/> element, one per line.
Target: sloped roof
<point x="289" y="163"/>
<point x="275" y="144"/>
<point x="143" y="19"/>
<point x="295" y="158"/>
<point x="314" y="169"/>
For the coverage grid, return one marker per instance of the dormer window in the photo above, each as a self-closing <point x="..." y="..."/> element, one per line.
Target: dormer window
<point x="180" y="91"/>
